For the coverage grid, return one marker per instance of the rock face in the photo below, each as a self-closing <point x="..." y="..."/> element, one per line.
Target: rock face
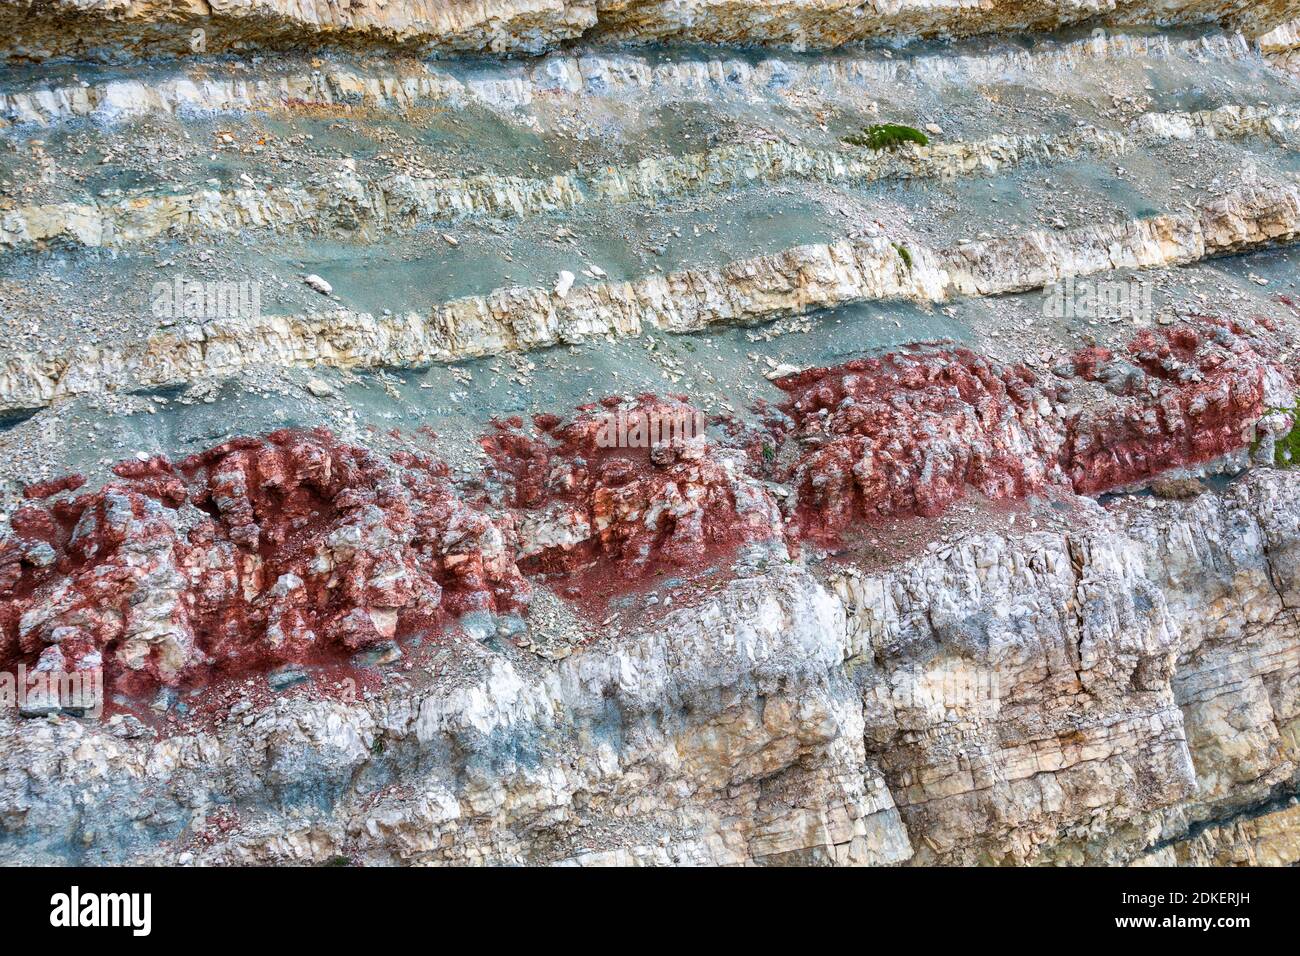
<point x="624" y="75"/>
<point x="350" y="205"/>
<point x="792" y="282"/>
<point x="911" y="432"/>
<point x="83" y="28"/>
<point x="1098" y="693"/>
<point x="865" y="718"/>
<point x="642" y="461"/>
<point x="630" y="485"/>
<point x="1132" y="748"/>
<point x="285" y="549"/>
<point x="253" y="554"/>
<point x="1182" y="398"/>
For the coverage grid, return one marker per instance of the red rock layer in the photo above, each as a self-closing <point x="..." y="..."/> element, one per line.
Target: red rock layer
<point x="255" y="553"/>
<point x="909" y="432"/>
<point x="1186" y="395"/>
<point x="632" y="485"/>
<point x="296" y="548"/>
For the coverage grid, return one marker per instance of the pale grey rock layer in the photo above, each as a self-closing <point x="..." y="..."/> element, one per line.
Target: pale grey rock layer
<point x="516" y="85"/>
<point x="357" y="207"/>
<point x="1126" y="691"/>
<point x="792" y="282"/>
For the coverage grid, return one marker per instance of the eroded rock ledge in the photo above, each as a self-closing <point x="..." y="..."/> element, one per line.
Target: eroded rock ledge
<point x="796" y="281"/>
<point x="121" y="28"/>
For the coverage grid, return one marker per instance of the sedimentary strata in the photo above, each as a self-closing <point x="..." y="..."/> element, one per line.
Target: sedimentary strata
<point x="1151" y="627"/>
<point x="862" y="595"/>
<point x="347" y="204"/>
<point x="792" y="282"/>
<point x="132" y="27"/>
<point x="380" y="85"/>
<point x="293" y="547"/>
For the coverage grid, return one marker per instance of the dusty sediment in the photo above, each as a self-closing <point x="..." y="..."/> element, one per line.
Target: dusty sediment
<point x="793" y="282"/>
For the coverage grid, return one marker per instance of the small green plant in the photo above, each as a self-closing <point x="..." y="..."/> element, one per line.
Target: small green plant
<point x="887" y="136"/>
<point x="904" y="255"/>
<point x="1286" y="450"/>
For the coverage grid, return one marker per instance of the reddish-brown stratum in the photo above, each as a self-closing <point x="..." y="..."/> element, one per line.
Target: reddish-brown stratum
<point x="584" y="501"/>
<point x="910" y="432"/>
<point x="296" y="548"/>
<point x="1187" y="395"/>
<point x="255" y="553"/>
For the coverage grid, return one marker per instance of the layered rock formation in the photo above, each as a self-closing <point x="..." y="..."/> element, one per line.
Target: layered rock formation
<point x="793" y="282"/>
<point x="879" y="717"/>
<point x="294" y="546"/>
<point x="385" y="85"/>
<point x="79" y="28"/>
<point x="919" y="569"/>
<point x="349" y="205"/>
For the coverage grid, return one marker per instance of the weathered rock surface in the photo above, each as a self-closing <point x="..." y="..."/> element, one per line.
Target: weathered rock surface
<point x="909" y="433"/>
<point x="352" y="206"/>
<point x="628" y="485"/>
<point x="1095" y="695"/>
<point x="256" y="553"/>
<point x="386" y="85"/>
<point x="866" y="596"/>
<point x="792" y="282"/>
<point x="83" y="28"/>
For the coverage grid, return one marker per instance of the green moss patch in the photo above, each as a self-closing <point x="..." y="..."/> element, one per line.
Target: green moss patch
<point x="887" y="136"/>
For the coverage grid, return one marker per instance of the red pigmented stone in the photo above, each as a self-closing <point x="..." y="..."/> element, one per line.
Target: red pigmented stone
<point x="630" y="485"/>
<point x="1191" y="394"/>
<point x="290" y="548"/>
<point x="908" y="433"/>
<point x="48" y="489"/>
